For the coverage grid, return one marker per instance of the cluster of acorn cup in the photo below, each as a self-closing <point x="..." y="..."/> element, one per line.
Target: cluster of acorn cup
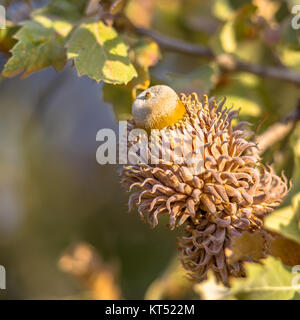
<point x="230" y="194"/>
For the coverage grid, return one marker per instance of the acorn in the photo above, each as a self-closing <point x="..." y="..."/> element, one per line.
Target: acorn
<point x="157" y="107"/>
<point x="231" y="193"/>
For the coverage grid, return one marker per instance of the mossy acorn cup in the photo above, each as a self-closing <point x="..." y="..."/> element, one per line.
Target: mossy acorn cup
<point x="230" y="195"/>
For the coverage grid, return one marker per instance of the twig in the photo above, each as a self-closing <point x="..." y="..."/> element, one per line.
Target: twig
<point x="225" y="61"/>
<point x="175" y="44"/>
<point x="279" y="130"/>
<point x="279" y="73"/>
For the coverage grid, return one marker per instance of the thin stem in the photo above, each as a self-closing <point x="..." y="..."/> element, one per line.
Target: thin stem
<point x="225" y="61"/>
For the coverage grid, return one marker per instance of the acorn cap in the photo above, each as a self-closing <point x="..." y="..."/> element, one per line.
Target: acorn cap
<point x="157" y="107"/>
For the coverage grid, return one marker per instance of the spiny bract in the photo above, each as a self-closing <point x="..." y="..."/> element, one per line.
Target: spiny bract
<point x="230" y="194"/>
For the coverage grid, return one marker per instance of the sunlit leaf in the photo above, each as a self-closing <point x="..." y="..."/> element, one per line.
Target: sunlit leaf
<point x="238" y="28"/>
<point x="227" y="37"/>
<point x="222" y="9"/>
<point x="267" y="9"/>
<point x="147" y="53"/>
<point x="141" y="82"/>
<point x="267" y="281"/>
<point x="138" y="15"/>
<point x="172" y="284"/>
<point x="210" y="289"/>
<point x="40" y="45"/>
<point x="286" y="221"/>
<point x="99" y="52"/>
<point x="290" y="58"/>
<point x="242" y="93"/>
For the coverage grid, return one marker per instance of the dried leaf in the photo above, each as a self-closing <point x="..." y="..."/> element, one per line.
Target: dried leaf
<point x="254" y="246"/>
<point x="248" y="246"/>
<point x="146" y="53"/>
<point x="141" y="82"/>
<point x="287" y="250"/>
<point x="140" y="12"/>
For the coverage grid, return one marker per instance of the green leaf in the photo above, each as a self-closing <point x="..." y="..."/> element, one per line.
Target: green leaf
<point x="120" y="98"/>
<point x="286" y="221"/>
<point x="290" y="37"/>
<point x="7" y="40"/>
<point x="290" y="58"/>
<point x="242" y="93"/>
<point x="40" y="45"/>
<point x="201" y="80"/>
<point x="237" y="29"/>
<point x="100" y="53"/>
<point x="71" y="10"/>
<point x="269" y="281"/>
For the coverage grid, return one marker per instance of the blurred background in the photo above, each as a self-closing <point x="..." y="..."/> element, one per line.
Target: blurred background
<point x="65" y="217"/>
<point x="54" y="194"/>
